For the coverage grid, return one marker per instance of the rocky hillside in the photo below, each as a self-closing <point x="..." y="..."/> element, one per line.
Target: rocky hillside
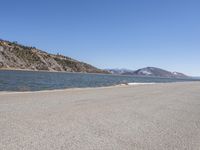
<point x="152" y="72"/>
<point x="16" y="56"/>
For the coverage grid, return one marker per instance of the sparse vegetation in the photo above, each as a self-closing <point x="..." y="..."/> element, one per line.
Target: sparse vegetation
<point x="27" y="55"/>
<point x="67" y="64"/>
<point x="19" y="56"/>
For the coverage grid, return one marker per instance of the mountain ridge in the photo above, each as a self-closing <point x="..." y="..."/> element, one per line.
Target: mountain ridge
<point x="148" y="71"/>
<point x="14" y="56"/>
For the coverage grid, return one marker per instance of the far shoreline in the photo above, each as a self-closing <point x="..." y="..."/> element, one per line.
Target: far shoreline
<point x="49" y="71"/>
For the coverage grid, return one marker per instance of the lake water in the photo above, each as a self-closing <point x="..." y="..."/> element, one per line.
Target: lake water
<point x="36" y="81"/>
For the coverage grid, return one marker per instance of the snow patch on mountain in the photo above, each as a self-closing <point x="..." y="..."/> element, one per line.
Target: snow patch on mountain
<point x="145" y="72"/>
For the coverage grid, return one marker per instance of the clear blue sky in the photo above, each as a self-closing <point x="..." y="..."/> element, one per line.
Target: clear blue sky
<point x="109" y="33"/>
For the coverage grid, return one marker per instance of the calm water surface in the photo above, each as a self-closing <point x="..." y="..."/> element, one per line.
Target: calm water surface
<point x="36" y="81"/>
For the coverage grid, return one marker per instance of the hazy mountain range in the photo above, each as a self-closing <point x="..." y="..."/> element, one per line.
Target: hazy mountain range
<point x="148" y="71"/>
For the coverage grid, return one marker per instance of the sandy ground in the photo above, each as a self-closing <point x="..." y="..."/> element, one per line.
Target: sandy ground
<point x="149" y="117"/>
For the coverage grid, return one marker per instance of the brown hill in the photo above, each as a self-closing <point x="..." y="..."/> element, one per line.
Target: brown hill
<point x="17" y="56"/>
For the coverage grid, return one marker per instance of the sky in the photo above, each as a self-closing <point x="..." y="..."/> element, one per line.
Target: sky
<point x="128" y="34"/>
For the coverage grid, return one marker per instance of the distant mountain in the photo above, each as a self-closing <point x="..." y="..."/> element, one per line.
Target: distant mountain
<point x="151" y="72"/>
<point x="16" y="56"/>
<point x="118" y="71"/>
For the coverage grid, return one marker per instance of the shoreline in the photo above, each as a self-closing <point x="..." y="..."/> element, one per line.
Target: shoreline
<point x="82" y="88"/>
<point x="95" y="88"/>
